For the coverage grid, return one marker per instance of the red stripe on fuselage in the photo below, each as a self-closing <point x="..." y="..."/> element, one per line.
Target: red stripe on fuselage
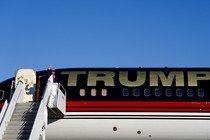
<point x="126" y="106"/>
<point x="1" y="105"/>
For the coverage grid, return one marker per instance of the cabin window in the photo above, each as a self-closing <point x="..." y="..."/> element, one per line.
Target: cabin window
<point x="1" y="95"/>
<point x="104" y="92"/>
<point x="157" y="92"/>
<point x="168" y="92"/>
<point x="190" y="92"/>
<point x="93" y="92"/>
<point x="125" y="92"/>
<point x="146" y="92"/>
<point x="201" y="93"/>
<point x="136" y="92"/>
<point x="82" y="92"/>
<point x="179" y="93"/>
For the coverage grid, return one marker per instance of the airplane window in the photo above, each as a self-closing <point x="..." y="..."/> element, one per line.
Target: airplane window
<point x="179" y="93"/>
<point x="136" y="92"/>
<point x="1" y="95"/>
<point x="147" y="92"/>
<point x="201" y="92"/>
<point x="168" y="92"/>
<point x="157" y="92"/>
<point x="190" y="92"/>
<point x="93" y="92"/>
<point x="125" y="92"/>
<point x="82" y="92"/>
<point x="104" y="92"/>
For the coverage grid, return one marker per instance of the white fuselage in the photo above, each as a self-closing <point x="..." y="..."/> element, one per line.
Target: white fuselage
<point x="130" y="126"/>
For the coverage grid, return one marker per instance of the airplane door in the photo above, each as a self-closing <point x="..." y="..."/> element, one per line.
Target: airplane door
<point x="28" y="77"/>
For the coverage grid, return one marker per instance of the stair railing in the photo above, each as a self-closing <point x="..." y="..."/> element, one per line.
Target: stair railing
<point x="61" y="99"/>
<point x="10" y="109"/>
<point x="41" y="120"/>
<point x="58" y="99"/>
<point x="3" y="111"/>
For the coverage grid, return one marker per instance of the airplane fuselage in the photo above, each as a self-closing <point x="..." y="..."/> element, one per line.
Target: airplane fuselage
<point x="130" y="103"/>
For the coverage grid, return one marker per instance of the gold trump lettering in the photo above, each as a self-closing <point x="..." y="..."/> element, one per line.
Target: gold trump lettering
<point x="140" y="80"/>
<point x="72" y="77"/>
<point x="105" y="76"/>
<point x="195" y="76"/>
<point x="156" y="78"/>
<point x="167" y="81"/>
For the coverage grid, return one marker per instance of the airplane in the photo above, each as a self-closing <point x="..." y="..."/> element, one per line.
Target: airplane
<point x="127" y="103"/>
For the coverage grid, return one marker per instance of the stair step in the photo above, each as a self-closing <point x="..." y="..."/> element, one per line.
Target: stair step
<point x="25" y="109"/>
<point x="19" y="127"/>
<point x="23" y="119"/>
<point x="27" y="115"/>
<point x="24" y="113"/>
<point x="20" y="123"/>
<point x="13" y="139"/>
<point x="16" y="136"/>
<point x="30" y="115"/>
<point x="27" y="104"/>
<point x="17" y="131"/>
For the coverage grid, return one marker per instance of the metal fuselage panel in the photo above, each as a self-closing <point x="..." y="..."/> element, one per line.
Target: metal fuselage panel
<point x="128" y="128"/>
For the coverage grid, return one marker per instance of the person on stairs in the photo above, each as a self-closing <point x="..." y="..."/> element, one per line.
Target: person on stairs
<point x="51" y="75"/>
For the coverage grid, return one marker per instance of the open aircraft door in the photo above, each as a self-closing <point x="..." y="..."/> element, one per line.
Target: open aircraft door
<point x="28" y="77"/>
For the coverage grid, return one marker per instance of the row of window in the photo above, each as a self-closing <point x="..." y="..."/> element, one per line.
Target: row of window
<point x="93" y="92"/>
<point x="168" y="92"/>
<point x="147" y="92"/>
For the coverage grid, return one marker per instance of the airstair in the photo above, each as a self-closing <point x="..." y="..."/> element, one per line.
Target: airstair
<point x="24" y="119"/>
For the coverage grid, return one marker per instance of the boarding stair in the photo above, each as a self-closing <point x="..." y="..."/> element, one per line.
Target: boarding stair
<point x="23" y="119"/>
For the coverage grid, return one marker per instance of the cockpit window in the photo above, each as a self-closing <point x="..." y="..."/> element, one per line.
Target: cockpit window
<point x="1" y="95"/>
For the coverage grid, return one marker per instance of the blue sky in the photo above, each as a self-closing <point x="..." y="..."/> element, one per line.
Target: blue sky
<point x="103" y="33"/>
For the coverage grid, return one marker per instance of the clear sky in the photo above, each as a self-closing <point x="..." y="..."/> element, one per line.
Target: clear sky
<point x="103" y="33"/>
